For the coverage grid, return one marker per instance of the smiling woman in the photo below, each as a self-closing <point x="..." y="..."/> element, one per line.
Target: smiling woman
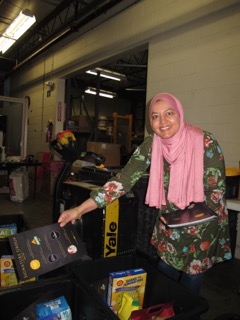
<point x="183" y="161"/>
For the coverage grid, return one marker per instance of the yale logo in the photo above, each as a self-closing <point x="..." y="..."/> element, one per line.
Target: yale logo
<point x="111" y="229"/>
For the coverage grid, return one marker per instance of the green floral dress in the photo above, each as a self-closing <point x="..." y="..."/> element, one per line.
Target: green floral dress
<point x="192" y="249"/>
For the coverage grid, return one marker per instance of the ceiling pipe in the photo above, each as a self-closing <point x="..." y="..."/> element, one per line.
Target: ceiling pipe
<point x="74" y="25"/>
<point x="130" y="65"/>
<point x="20" y="64"/>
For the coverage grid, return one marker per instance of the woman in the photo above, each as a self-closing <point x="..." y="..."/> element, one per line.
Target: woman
<point x="187" y="165"/>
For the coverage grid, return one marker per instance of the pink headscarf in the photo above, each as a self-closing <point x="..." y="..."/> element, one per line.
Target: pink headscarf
<point x="184" y="153"/>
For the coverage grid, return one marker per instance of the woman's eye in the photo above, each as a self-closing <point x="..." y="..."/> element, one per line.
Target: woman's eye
<point x="155" y="116"/>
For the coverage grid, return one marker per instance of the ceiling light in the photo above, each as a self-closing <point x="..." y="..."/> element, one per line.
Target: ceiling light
<point x="94" y="72"/>
<point x="135" y="89"/>
<point x="102" y="93"/>
<point x="109" y="74"/>
<point x="21" y="24"/>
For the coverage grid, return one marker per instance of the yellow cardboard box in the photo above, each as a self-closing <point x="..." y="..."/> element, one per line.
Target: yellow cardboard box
<point x="132" y="281"/>
<point x="8" y="275"/>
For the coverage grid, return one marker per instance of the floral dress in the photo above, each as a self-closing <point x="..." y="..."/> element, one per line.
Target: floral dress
<point x="192" y="249"/>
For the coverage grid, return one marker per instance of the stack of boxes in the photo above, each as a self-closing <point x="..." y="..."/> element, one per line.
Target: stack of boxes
<point x="9" y="225"/>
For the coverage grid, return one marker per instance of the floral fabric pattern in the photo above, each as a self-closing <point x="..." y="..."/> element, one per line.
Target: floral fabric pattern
<point x="111" y="191"/>
<point x="192" y="249"/>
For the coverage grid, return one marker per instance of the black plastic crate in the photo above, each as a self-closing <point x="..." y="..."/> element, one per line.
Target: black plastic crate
<point x="232" y="187"/>
<point x="81" y="303"/>
<point x="159" y="288"/>
<point x="146" y="220"/>
<point x="21" y="224"/>
<point x="233" y="222"/>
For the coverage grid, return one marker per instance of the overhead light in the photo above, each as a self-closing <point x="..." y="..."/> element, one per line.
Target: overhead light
<point x="102" y="93"/>
<point x="109" y="74"/>
<point x="135" y="89"/>
<point x="21" y="24"/>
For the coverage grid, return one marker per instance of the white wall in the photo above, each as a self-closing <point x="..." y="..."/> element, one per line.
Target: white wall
<point x="42" y="109"/>
<point x="200" y="64"/>
<point x="193" y="53"/>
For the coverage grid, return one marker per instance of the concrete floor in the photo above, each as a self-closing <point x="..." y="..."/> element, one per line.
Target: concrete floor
<point x="221" y="285"/>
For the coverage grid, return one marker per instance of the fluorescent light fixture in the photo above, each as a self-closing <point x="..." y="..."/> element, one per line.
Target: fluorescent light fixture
<point x="17" y="28"/>
<point x="135" y="89"/>
<point x="104" y="73"/>
<point x="102" y="93"/>
<point x="94" y="72"/>
<point x="5" y="44"/>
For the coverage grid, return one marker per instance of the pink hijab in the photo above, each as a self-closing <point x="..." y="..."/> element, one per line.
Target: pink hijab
<point x="184" y="153"/>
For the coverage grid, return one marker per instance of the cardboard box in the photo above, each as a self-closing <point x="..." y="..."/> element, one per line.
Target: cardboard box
<point x="131" y="281"/>
<point x="7" y="230"/>
<point x="8" y="274"/>
<point x="110" y="151"/>
<point x="56" y="308"/>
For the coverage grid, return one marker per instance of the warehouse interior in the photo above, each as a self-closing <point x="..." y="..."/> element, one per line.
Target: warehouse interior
<point x="188" y="48"/>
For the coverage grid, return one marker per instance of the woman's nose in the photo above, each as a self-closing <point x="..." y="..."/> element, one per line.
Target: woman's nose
<point x="162" y="119"/>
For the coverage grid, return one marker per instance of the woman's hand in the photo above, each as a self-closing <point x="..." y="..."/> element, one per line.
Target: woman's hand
<point x="72" y="214"/>
<point x="68" y="215"/>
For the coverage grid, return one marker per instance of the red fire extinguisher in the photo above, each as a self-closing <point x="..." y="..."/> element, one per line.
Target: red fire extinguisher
<point x="49" y="132"/>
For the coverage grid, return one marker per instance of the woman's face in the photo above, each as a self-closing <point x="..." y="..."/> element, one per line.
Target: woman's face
<point x="165" y="122"/>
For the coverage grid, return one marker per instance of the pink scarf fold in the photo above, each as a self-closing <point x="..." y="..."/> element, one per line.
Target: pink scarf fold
<point x="184" y="153"/>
